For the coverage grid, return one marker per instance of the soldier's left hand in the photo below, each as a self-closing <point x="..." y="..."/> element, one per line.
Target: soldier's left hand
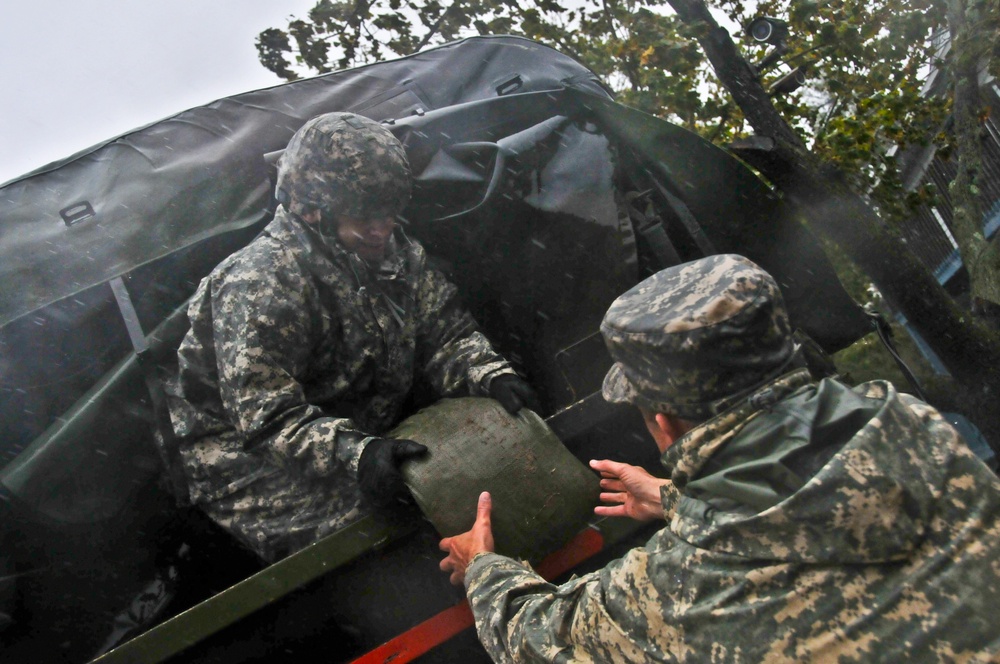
<point x="513" y="393"/>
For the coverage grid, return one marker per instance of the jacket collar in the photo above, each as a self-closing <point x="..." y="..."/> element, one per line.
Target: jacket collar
<point x="871" y="502"/>
<point x="685" y="458"/>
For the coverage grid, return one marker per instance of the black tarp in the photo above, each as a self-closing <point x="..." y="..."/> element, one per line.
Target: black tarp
<point x="202" y="172"/>
<point x="162" y="204"/>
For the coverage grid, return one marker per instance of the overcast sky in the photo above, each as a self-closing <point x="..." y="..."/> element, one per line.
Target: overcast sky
<point x="77" y="72"/>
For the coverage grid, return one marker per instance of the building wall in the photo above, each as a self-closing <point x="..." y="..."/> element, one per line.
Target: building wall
<point x="928" y="232"/>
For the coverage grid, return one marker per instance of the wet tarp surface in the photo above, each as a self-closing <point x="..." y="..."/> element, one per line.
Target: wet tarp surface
<point x="484" y="121"/>
<point x="150" y="192"/>
<point x="163" y="204"/>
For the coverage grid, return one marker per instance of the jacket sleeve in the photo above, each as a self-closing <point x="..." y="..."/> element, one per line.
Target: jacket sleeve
<point x="264" y="334"/>
<point x="451" y="351"/>
<point x="593" y="618"/>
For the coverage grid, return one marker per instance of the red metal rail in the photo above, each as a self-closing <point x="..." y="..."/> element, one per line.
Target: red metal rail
<point x="434" y="631"/>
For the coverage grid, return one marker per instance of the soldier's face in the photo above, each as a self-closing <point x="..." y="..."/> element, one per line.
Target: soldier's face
<point x="368" y="238"/>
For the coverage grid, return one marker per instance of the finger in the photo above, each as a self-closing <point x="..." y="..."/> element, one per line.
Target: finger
<point x="446" y="565"/>
<point x="528" y="396"/>
<point x="512" y="403"/>
<point x="608" y="466"/>
<point x="485" y="508"/>
<point x="457" y="578"/>
<point x="408" y="449"/>
<point x="610" y="510"/>
<point x="612" y="485"/>
<point x="445" y="544"/>
<point x="617" y="498"/>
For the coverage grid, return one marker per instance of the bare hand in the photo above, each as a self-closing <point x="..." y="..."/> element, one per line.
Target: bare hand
<point x="463" y="548"/>
<point x="631" y="491"/>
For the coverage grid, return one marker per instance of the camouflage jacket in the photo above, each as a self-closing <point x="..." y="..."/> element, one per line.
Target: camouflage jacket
<point x="297" y="351"/>
<point x="873" y="535"/>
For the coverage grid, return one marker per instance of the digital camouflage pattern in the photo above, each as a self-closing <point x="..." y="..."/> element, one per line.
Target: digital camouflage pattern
<point x="692" y="339"/>
<point x="807" y="521"/>
<point x="886" y="547"/>
<point x="344" y="163"/>
<point x="297" y="351"/>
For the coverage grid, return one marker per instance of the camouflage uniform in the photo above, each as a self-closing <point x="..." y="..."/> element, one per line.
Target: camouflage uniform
<point x="807" y="521"/>
<point x="298" y="350"/>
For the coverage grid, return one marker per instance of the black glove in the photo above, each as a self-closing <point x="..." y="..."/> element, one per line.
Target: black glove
<point x="378" y="469"/>
<point x="513" y="392"/>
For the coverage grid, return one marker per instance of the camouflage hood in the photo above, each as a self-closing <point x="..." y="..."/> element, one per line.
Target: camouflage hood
<point x="344" y="163"/>
<point x="812" y="464"/>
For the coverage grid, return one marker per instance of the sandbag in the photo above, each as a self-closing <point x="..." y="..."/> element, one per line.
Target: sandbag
<point x="542" y="494"/>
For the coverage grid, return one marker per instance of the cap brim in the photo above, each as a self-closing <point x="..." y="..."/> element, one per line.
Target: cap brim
<point x="617" y="388"/>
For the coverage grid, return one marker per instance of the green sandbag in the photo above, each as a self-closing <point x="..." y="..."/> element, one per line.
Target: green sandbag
<point x="542" y="494"/>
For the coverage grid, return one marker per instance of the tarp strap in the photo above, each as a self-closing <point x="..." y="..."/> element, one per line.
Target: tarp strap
<point x="688" y="219"/>
<point x="649" y="225"/>
<point x="165" y="441"/>
<point x="884" y="331"/>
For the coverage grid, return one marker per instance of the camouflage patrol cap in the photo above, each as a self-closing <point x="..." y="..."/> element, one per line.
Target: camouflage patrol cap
<point x="345" y="164"/>
<point x="693" y="339"/>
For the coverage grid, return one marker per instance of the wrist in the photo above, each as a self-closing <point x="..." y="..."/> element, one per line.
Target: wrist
<point x="477" y="560"/>
<point x="349" y="444"/>
<point x="477" y="554"/>
<point x="486" y="380"/>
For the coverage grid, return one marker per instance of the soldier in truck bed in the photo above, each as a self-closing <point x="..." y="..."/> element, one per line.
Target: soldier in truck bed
<point x="806" y="520"/>
<point x="305" y="345"/>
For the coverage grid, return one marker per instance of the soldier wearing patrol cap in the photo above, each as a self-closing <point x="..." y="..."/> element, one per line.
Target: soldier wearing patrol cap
<point x="806" y="520"/>
<point x="304" y="347"/>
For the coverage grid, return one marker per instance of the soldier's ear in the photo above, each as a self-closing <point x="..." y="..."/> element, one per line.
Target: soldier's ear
<point x="671" y="426"/>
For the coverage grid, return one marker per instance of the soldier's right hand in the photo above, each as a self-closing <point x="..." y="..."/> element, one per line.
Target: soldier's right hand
<point x="378" y="470"/>
<point x="629" y="490"/>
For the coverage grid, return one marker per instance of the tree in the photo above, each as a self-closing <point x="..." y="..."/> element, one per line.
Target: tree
<point x="830" y="154"/>
<point x="627" y="42"/>
<point x="863" y="99"/>
<point x="824" y="196"/>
